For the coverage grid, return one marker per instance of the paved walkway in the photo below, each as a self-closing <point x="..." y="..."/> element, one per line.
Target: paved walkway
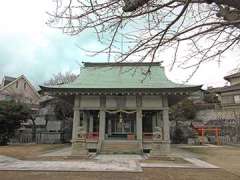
<point x="66" y="151"/>
<point x="115" y="163"/>
<point x="7" y="163"/>
<point x="125" y="163"/>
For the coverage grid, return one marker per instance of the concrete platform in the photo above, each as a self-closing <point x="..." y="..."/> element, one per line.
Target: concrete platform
<point x="19" y="165"/>
<point x="113" y="163"/>
<point x="119" y="157"/>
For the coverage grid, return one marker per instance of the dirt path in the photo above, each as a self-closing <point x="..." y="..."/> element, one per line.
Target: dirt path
<point x="28" y="151"/>
<point x="147" y="174"/>
<point x="226" y="157"/>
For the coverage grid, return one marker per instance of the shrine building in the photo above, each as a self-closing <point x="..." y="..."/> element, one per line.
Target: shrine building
<point x="121" y="107"/>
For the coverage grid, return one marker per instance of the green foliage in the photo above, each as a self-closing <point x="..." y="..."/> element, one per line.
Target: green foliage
<point x="63" y="109"/>
<point x="184" y="110"/>
<point x="211" y="98"/>
<point x="178" y="136"/>
<point x="11" y="116"/>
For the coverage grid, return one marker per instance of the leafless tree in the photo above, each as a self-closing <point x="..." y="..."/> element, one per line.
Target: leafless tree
<point x="202" y="30"/>
<point x="61" y="78"/>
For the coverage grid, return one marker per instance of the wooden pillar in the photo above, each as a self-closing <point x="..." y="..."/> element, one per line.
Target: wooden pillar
<point x="159" y="119"/>
<point x="109" y="127"/>
<point x="102" y="122"/>
<point x="102" y="118"/>
<point x="90" y="123"/>
<point x="85" y="118"/>
<point x="139" y="124"/>
<point x="202" y="139"/>
<point x="76" y="121"/>
<point x="154" y="122"/>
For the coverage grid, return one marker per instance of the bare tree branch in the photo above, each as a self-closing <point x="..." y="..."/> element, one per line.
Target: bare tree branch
<point x="148" y="28"/>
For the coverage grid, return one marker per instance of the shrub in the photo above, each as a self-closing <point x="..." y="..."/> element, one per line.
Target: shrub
<point x="11" y="116"/>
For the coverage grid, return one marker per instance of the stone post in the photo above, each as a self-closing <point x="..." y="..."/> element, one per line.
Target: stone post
<point x="76" y="117"/>
<point x="161" y="140"/>
<point x="79" y="133"/>
<point x="166" y="125"/>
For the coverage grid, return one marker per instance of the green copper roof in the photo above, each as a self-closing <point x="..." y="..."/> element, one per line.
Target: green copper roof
<point x="121" y="76"/>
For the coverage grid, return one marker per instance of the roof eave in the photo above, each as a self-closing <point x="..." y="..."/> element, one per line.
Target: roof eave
<point x="176" y="89"/>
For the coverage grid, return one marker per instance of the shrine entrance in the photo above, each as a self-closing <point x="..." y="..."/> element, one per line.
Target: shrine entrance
<point x="120" y="125"/>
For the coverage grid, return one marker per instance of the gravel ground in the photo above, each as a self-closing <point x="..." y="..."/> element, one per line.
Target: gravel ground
<point x="147" y="174"/>
<point x="228" y="158"/>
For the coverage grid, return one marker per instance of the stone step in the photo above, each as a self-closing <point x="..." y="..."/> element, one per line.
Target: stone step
<point x="120" y="147"/>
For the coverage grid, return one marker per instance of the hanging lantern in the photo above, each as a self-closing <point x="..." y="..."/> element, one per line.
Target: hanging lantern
<point x="120" y="118"/>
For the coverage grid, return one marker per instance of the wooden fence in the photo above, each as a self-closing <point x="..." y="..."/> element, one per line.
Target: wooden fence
<point x="41" y="138"/>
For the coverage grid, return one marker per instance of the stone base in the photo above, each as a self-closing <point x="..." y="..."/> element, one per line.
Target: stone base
<point x="79" y="148"/>
<point x="160" y="148"/>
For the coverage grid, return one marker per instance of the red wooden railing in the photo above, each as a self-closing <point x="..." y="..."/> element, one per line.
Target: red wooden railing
<point x="147" y="135"/>
<point x="93" y="136"/>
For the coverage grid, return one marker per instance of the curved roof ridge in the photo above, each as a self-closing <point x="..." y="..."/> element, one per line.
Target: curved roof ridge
<point x="97" y="64"/>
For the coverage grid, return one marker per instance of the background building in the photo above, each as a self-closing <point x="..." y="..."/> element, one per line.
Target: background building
<point x="20" y="90"/>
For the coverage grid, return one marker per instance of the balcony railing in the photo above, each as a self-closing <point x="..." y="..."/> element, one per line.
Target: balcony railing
<point x="147" y="135"/>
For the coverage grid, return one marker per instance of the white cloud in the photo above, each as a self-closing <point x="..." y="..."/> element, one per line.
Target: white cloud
<point x="209" y="74"/>
<point x="23" y="16"/>
<point x="23" y="23"/>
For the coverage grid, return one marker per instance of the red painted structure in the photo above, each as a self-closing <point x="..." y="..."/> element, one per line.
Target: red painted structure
<point x="202" y="129"/>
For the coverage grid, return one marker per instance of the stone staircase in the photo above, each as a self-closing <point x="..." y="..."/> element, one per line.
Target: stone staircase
<point x="120" y="147"/>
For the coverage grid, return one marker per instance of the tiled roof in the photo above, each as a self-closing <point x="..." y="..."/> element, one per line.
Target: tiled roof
<point x="232" y="76"/>
<point x="226" y="88"/>
<point x="7" y="80"/>
<point x="121" y="76"/>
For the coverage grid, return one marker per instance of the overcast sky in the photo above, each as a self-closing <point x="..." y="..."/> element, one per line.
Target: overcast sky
<point x="28" y="46"/>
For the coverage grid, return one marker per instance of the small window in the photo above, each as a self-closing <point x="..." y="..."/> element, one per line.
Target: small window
<point x="17" y="84"/>
<point x="237" y="99"/>
<point x="25" y="85"/>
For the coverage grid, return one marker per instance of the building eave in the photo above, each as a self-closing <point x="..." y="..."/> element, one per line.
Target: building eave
<point x="121" y="91"/>
<point x="232" y="76"/>
<point x="228" y="89"/>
